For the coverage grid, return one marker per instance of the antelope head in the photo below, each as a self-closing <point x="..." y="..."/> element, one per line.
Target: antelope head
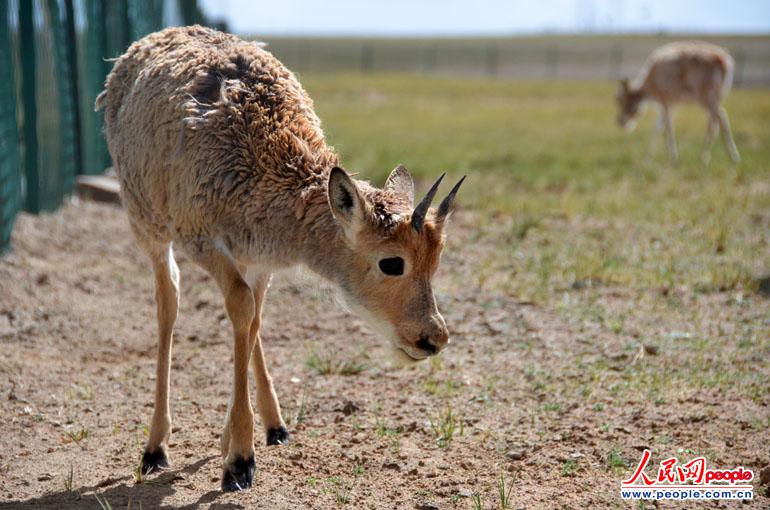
<point x="629" y="101"/>
<point x="393" y="248"/>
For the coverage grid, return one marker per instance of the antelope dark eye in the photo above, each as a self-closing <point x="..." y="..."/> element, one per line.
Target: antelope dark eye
<point x="392" y="266"/>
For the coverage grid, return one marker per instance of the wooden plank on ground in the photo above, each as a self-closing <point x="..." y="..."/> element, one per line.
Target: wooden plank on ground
<point x="100" y="188"/>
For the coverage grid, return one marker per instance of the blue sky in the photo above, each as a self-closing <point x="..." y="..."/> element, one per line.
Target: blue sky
<point x="454" y="17"/>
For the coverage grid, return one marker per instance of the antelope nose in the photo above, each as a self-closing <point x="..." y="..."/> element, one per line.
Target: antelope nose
<point x="427" y="345"/>
<point x="435" y="343"/>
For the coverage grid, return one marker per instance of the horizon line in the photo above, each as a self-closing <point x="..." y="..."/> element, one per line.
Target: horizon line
<point x="502" y="35"/>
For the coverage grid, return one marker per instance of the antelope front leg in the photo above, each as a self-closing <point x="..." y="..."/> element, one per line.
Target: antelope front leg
<point x="668" y="125"/>
<point x="711" y="133"/>
<point x="727" y="135"/>
<point x="238" y="436"/>
<point x="167" y="300"/>
<point x="656" y="132"/>
<point x="267" y="401"/>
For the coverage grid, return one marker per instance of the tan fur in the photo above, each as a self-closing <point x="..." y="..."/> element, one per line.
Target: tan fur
<point x="683" y="72"/>
<point x="220" y="153"/>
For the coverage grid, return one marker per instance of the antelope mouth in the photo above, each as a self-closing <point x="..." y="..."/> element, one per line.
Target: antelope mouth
<point x="410" y="355"/>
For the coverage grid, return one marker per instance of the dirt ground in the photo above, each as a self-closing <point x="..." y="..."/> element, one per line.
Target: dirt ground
<point x="554" y="401"/>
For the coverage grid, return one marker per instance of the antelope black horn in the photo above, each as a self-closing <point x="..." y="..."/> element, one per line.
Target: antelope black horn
<point x="446" y="204"/>
<point x="418" y="216"/>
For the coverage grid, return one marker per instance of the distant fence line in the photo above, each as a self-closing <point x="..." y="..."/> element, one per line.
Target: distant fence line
<point x="53" y="62"/>
<point x="556" y="60"/>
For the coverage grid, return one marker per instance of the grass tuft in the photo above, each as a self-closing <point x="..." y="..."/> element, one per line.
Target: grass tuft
<point x="69" y="480"/>
<point x="76" y="436"/>
<point x="615" y="460"/>
<point x="503" y="493"/>
<point x="328" y="364"/>
<point x="103" y="503"/>
<point x="476" y="500"/>
<point x="445" y="426"/>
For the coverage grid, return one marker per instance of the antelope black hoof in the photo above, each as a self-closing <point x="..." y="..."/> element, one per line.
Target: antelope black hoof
<point x="277" y="435"/>
<point x="154" y="461"/>
<point x="238" y="475"/>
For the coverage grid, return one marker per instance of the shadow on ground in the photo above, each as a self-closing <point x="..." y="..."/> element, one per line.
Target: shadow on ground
<point x="120" y="493"/>
<point x="763" y="285"/>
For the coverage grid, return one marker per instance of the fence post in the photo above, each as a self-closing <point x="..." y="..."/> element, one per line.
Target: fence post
<point x="145" y="16"/>
<point x="117" y="28"/>
<point x="491" y="61"/>
<point x="29" y="106"/>
<point x="616" y="61"/>
<point x="67" y="126"/>
<point x="10" y="171"/>
<point x="191" y="12"/>
<point x="429" y="59"/>
<point x="367" y="58"/>
<point x="94" y="149"/>
<point x="303" y="62"/>
<point x="75" y="94"/>
<point x="740" y="66"/>
<point x="552" y="62"/>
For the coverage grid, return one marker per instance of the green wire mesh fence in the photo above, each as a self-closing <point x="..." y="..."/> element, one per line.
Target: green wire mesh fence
<point x="10" y="178"/>
<point x="54" y="57"/>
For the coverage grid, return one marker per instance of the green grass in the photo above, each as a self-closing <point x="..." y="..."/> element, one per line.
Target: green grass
<point x="329" y="364"/>
<point x="504" y="490"/>
<point x="615" y="460"/>
<point x="476" y="500"/>
<point x="103" y="503"/>
<point x="78" y="435"/>
<point x="578" y="202"/>
<point x="382" y="430"/>
<point x="570" y="467"/>
<point x="566" y="208"/>
<point x="69" y="480"/>
<point x="445" y="426"/>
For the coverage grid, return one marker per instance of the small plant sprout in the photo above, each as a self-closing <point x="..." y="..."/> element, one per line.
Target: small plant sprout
<point x="140" y="477"/>
<point x="477" y="505"/>
<point x="302" y="408"/>
<point x="69" y="479"/>
<point x="139" y="474"/>
<point x="78" y="435"/>
<point x="569" y="467"/>
<point x="616" y="460"/>
<point x="383" y="430"/>
<point x="445" y="426"/>
<point x="328" y="364"/>
<point x="504" y="491"/>
<point x="103" y="503"/>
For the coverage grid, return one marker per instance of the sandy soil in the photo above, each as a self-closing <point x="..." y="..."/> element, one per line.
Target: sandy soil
<point x="533" y="389"/>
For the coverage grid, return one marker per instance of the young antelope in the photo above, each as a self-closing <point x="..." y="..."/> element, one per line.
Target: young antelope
<point x="683" y="72"/>
<point x="220" y="155"/>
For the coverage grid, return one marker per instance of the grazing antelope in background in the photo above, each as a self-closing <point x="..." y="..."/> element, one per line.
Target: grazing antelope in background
<point x="220" y="154"/>
<point x="683" y="72"/>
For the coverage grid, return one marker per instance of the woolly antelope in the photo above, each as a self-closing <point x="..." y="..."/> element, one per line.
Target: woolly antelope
<point x="220" y="154"/>
<point x="677" y="73"/>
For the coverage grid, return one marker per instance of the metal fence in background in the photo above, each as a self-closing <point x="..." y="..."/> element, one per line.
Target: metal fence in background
<point x="54" y="57"/>
<point x="10" y="178"/>
<point x="552" y="57"/>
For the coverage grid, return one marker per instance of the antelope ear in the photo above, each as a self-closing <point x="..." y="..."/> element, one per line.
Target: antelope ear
<point x="400" y="181"/>
<point x="346" y="202"/>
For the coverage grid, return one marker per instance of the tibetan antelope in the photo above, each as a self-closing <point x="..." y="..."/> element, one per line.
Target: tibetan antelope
<point x="683" y="72"/>
<point x="220" y="155"/>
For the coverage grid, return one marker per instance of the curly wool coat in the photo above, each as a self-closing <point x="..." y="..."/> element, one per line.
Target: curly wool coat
<point x="213" y="137"/>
